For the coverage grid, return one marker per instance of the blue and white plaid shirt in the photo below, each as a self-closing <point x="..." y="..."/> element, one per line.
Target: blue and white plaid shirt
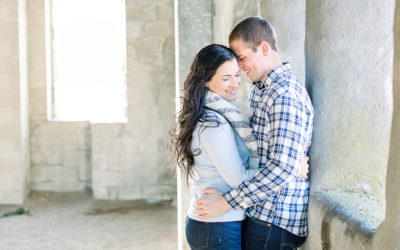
<point x="282" y="122"/>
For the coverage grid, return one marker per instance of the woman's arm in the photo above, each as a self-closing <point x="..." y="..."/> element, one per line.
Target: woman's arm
<point x="220" y="145"/>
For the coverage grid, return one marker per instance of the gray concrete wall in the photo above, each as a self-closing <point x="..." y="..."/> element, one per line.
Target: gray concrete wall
<point x="387" y="236"/>
<point x="288" y="19"/>
<point x="130" y="161"/>
<point x="60" y="151"/>
<point x="349" y="49"/>
<point x="14" y="133"/>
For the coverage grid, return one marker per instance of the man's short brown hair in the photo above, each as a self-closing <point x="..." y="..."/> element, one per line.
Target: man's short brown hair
<point x="254" y="30"/>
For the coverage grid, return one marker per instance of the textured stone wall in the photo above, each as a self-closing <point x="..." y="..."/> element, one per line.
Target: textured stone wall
<point x="387" y="236"/>
<point x="14" y="134"/>
<point x="349" y="53"/>
<point x="288" y="19"/>
<point x="130" y="160"/>
<point x="60" y="151"/>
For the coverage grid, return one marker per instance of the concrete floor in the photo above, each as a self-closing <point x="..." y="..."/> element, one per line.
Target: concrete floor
<point x="76" y="221"/>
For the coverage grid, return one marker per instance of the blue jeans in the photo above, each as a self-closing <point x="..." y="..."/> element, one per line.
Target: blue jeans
<point x="213" y="235"/>
<point x="263" y="235"/>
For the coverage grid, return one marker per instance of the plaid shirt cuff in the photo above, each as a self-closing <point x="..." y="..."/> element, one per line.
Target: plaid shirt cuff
<point x="235" y="201"/>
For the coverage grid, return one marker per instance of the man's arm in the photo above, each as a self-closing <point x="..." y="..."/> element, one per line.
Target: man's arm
<point x="286" y="125"/>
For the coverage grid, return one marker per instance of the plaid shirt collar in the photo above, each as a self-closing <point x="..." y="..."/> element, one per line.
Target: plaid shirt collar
<point x="272" y="76"/>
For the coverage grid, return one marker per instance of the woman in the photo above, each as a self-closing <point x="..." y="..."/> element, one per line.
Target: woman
<point x="214" y="144"/>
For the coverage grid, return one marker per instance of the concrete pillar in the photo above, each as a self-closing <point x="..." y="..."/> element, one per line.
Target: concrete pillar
<point x="14" y="134"/>
<point x="288" y="19"/>
<point x="195" y="32"/>
<point x="349" y="49"/>
<point x="387" y="236"/>
<point x="223" y="21"/>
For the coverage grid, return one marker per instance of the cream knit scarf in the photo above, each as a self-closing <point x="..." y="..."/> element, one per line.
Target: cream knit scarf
<point x="239" y="117"/>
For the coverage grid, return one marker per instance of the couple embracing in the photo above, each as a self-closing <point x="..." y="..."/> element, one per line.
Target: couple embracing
<point x="247" y="168"/>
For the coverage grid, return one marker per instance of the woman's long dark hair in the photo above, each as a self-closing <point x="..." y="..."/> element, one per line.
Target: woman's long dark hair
<point x="203" y="68"/>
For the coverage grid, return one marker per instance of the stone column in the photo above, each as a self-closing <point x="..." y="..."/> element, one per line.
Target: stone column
<point x="349" y="49"/>
<point x="195" y="32"/>
<point x="14" y="143"/>
<point x="387" y="236"/>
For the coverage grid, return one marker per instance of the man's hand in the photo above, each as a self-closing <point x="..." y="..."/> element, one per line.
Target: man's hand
<point x="212" y="205"/>
<point x="304" y="168"/>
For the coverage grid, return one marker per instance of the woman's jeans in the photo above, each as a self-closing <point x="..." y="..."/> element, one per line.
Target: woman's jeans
<point x="263" y="235"/>
<point x="213" y="235"/>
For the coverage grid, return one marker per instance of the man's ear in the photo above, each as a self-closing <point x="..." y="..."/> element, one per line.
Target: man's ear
<point x="264" y="46"/>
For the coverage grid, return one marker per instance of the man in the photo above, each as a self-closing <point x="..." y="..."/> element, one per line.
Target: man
<point x="275" y="199"/>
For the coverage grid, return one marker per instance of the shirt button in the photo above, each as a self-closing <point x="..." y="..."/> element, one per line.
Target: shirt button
<point x="268" y="225"/>
<point x="220" y="240"/>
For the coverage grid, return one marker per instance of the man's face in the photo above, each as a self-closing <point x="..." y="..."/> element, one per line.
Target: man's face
<point x="251" y="62"/>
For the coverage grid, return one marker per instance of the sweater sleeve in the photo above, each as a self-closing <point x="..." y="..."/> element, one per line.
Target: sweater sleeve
<point x="220" y="146"/>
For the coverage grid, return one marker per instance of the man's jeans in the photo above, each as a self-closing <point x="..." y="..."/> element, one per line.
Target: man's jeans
<point x="213" y="235"/>
<point x="263" y="235"/>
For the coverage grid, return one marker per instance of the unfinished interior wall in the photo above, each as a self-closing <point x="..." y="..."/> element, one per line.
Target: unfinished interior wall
<point x="60" y="151"/>
<point x="349" y="49"/>
<point x="14" y="133"/>
<point x="130" y="161"/>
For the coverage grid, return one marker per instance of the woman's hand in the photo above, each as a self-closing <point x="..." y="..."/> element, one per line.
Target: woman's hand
<point x="304" y="168"/>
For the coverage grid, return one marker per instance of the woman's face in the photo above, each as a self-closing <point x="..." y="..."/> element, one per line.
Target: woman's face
<point x="226" y="80"/>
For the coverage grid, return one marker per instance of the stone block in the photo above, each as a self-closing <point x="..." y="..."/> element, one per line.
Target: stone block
<point x="141" y="79"/>
<point x="75" y="142"/>
<point x="99" y="161"/>
<point x="8" y="116"/>
<point x="37" y="157"/>
<point x="9" y="31"/>
<point x="37" y="80"/>
<point x="46" y="143"/>
<point x="7" y="147"/>
<point x="143" y="113"/>
<point x="76" y="128"/>
<point x="130" y="193"/>
<point x="133" y="29"/>
<point x="6" y="82"/>
<point x="84" y="173"/>
<point x="35" y="4"/>
<point x="159" y="28"/>
<point x="143" y="96"/>
<point x="6" y="46"/>
<point x="100" y="192"/>
<point x="130" y="146"/>
<point x="36" y="33"/>
<point x="37" y="64"/>
<point x="75" y="158"/>
<point x="141" y="13"/>
<point x="36" y="16"/>
<point x="9" y="99"/>
<point x="150" y="145"/>
<point x="62" y="174"/>
<point x="39" y="174"/>
<point x="165" y="12"/>
<point x="134" y="129"/>
<point x="12" y="197"/>
<point x="65" y="186"/>
<point x="150" y="44"/>
<point x="152" y="2"/>
<point x="106" y="130"/>
<point x="45" y="128"/>
<point x="107" y="178"/>
<point x="36" y="48"/>
<point x="9" y="132"/>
